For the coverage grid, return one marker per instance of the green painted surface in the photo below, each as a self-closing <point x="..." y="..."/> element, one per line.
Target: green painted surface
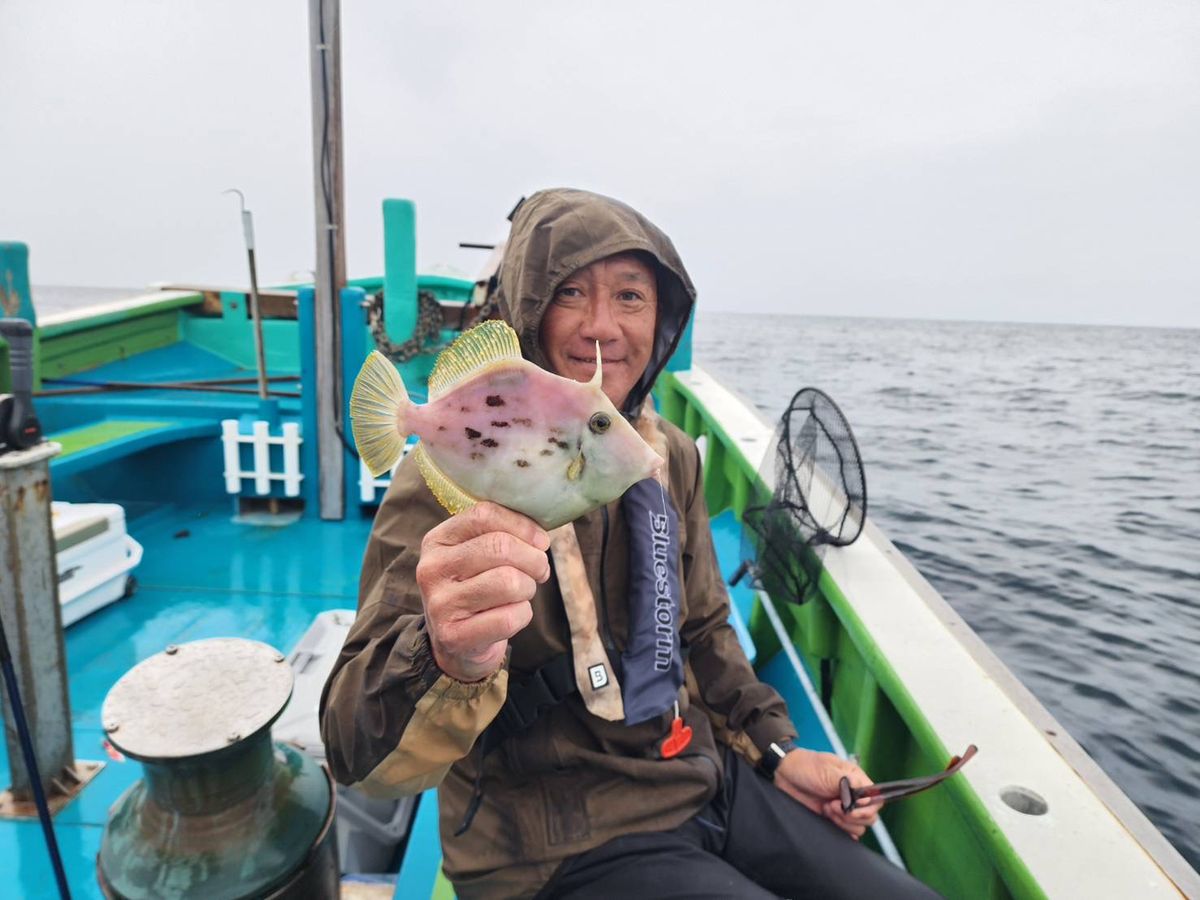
<point x="110" y="430"/>
<point x="233" y="339"/>
<point x="16" y="300"/>
<point x="71" y="347"/>
<point x="947" y="858"/>
<point x="67" y="352"/>
<point x="400" y="268"/>
<point x="249" y="847"/>
<point x="442" y="888"/>
<point x="446" y="288"/>
<point x="947" y="837"/>
<point x="142" y="310"/>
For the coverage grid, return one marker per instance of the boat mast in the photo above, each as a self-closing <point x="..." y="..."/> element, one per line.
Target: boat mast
<point x="324" y="21"/>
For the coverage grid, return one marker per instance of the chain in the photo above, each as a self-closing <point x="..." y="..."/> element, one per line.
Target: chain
<point x="429" y="328"/>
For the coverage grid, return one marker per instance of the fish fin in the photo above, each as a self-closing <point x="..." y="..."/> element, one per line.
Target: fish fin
<point x="377" y="407"/>
<point x="487" y="343"/>
<point x="449" y="494"/>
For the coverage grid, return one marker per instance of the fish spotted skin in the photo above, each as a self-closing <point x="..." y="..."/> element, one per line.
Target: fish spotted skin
<point x="501" y="428"/>
<point x="519" y="436"/>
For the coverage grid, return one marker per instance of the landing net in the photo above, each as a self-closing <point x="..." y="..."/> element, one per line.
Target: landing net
<point x="820" y="498"/>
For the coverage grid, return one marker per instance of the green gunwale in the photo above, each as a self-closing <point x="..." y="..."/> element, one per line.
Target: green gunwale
<point x="874" y="712"/>
<point x="67" y="348"/>
<point x="90" y="323"/>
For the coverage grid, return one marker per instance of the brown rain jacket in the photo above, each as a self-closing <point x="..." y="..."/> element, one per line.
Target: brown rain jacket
<point x="394" y="724"/>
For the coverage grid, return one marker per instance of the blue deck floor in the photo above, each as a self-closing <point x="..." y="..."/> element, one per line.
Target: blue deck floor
<point x="222" y="579"/>
<point x="204" y="575"/>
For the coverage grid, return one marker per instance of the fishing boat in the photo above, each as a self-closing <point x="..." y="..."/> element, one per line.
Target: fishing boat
<point x="150" y="404"/>
<point x="198" y="435"/>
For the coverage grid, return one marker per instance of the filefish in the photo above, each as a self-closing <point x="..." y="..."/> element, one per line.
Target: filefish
<point x="499" y="428"/>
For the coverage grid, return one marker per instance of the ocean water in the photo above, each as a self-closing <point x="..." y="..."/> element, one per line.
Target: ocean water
<point x="1046" y="480"/>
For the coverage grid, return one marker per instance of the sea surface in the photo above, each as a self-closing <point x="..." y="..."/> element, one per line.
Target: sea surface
<point x="1046" y="480"/>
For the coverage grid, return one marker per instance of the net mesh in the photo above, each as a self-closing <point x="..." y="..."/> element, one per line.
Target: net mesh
<point x="820" y="498"/>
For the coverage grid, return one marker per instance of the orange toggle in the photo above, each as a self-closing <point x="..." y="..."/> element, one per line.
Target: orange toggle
<point x="677" y="740"/>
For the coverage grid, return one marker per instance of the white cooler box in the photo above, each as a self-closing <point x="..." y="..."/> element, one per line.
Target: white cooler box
<point x="93" y="555"/>
<point x="368" y="830"/>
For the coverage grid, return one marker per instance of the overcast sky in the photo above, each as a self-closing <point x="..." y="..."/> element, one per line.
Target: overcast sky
<point x="1031" y="161"/>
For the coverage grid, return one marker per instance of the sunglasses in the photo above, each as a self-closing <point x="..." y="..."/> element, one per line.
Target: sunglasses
<point x="894" y="790"/>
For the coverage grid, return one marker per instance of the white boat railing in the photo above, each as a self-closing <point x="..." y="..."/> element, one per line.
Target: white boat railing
<point x="260" y="472"/>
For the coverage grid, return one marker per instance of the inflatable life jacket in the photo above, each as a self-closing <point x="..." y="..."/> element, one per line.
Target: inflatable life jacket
<point x="645" y="682"/>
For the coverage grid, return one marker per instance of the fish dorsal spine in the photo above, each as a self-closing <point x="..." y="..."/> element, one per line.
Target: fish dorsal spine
<point x="483" y="346"/>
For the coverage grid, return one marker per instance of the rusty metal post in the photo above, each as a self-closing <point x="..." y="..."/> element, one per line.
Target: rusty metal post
<point x="33" y="618"/>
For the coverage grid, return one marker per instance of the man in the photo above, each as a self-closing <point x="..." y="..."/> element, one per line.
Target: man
<point x="458" y="672"/>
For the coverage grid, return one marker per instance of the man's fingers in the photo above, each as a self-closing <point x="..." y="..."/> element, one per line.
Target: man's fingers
<point x="493" y="550"/>
<point x="486" y="517"/>
<point x="855" y="822"/>
<point x="495" y="587"/>
<point x="472" y="635"/>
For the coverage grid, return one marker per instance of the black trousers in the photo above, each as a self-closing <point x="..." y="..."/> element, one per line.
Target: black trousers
<point x="752" y="841"/>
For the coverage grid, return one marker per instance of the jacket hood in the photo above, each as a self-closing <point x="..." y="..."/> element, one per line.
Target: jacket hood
<point x="557" y="232"/>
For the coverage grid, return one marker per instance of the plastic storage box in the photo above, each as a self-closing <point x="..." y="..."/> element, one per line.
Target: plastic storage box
<point x="93" y="555"/>
<point x="369" y="830"/>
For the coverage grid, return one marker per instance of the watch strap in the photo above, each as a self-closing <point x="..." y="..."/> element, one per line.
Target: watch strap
<point x="774" y="755"/>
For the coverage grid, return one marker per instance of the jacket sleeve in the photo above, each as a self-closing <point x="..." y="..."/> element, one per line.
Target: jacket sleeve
<point x="727" y="682"/>
<point x="393" y="723"/>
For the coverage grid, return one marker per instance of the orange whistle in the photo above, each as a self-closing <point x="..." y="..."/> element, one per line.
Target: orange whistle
<point x="677" y="740"/>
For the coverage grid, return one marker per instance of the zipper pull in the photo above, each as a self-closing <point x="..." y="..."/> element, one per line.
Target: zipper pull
<point x="678" y="739"/>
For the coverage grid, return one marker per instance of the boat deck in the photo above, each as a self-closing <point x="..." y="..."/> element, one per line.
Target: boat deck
<point x="208" y="574"/>
<point x="203" y="575"/>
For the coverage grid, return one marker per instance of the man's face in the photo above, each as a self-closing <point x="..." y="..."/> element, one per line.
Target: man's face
<point x="613" y="301"/>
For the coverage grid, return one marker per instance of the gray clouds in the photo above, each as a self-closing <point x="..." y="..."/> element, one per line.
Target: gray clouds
<point x="1028" y="161"/>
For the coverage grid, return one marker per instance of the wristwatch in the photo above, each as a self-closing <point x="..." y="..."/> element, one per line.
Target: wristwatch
<point x="776" y="751"/>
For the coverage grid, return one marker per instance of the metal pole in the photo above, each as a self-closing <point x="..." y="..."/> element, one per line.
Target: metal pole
<point x="39" y="796"/>
<point x="259" y="354"/>
<point x="326" y="61"/>
<point x="29" y="604"/>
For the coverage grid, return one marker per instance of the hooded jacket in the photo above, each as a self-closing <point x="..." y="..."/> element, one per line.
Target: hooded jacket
<point x="394" y="724"/>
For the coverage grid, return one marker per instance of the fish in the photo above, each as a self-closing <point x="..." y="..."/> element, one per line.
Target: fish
<point x="499" y="428"/>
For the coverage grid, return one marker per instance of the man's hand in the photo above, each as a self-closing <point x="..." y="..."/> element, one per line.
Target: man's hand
<point x="477" y="573"/>
<point x="812" y="778"/>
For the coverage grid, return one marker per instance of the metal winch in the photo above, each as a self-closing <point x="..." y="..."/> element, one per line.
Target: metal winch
<point x="222" y="811"/>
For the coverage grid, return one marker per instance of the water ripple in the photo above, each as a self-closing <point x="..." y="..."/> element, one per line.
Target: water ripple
<point x="1045" y="479"/>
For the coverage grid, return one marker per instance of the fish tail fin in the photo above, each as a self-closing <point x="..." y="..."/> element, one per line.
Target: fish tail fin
<point x="379" y="406"/>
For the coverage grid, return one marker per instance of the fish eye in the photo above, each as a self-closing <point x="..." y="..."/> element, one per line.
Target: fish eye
<point x="599" y="423"/>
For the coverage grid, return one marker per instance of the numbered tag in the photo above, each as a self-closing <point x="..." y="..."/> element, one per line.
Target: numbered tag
<point x="599" y="676"/>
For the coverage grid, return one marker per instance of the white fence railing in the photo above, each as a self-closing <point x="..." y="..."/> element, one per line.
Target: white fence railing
<point x="261" y="439"/>
<point x="368" y="486"/>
